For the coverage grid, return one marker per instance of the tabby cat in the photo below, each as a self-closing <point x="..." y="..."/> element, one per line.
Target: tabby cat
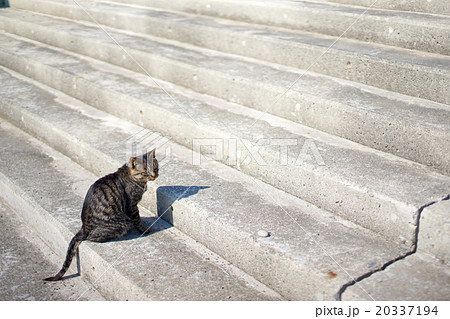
<point x="110" y="206"/>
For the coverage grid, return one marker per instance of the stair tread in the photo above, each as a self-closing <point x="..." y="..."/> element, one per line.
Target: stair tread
<point x="165" y="265"/>
<point x="369" y="173"/>
<point x="417" y="277"/>
<point x="433" y="7"/>
<point x="384" y="26"/>
<point x="434" y="229"/>
<point x="423" y="275"/>
<point x="297" y="5"/>
<point x="296" y="49"/>
<point x="22" y="279"/>
<point x="311" y="251"/>
<point x="329" y="243"/>
<point x="354" y="98"/>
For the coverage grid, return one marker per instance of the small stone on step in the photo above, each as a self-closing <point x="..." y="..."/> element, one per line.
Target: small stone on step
<point x="263" y="233"/>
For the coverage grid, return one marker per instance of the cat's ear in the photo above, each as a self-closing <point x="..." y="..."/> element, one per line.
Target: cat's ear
<point x="153" y="153"/>
<point x="132" y="163"/>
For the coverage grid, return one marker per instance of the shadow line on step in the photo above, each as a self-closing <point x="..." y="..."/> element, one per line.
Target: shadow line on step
<point x="167" y="195"/>
<point x="156" y="224"/>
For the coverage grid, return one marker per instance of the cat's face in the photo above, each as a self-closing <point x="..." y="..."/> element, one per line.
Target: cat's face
<point x="144" y="168"/>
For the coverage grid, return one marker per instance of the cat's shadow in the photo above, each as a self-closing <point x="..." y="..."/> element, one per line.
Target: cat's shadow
<point x="156" y="224"/>
<point x="167" y="195"/>
<point x="179" y="192"/>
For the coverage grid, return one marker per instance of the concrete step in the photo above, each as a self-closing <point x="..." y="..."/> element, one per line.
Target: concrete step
<point x="404" y="71"/>
<point x="47" y="189"/>
<point x="376" y="190"/>
<point x="433" y="6"/>
<point x="424" y="275"/>
<point x="24" y="260"/>
<point x="408" y="127"/>
<point x="417" y="31"/>
<point x="416" y="278"/>
<point x="310" y="253"/>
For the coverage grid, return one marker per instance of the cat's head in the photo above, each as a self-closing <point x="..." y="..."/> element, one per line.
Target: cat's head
<point x="144" y="168"/>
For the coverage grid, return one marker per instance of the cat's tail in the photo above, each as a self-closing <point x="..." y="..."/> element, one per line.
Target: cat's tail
<point x="73" y="246"/>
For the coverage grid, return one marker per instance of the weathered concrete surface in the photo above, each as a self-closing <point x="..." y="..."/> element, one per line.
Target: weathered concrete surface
<point x="293" y="264"/>
<point x="432" y="6"/>
<point x="424" y="275"/>
<point x="385" y="194"/>
<point x="399" y="70"/>
<point x="418" y="31"/>
<point x="214" y="204"/>
<point x="417" y="277"/>
<point x="412" y="128"/>
<point x="24" y="259"/>
<point x="165" y="265"/>
<point x="434" y="235"/>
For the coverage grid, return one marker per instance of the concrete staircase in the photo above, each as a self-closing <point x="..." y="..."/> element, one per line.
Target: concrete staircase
<point x="326" y="124"/>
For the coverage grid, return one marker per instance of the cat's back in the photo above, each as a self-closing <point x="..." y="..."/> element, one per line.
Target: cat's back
<point x="105" y="193"/>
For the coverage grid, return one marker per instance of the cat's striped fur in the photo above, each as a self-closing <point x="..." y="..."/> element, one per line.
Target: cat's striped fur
<point x="110" y="206"/>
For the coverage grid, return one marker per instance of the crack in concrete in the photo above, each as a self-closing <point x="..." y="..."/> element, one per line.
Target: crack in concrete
<point x="338" y="295"/>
